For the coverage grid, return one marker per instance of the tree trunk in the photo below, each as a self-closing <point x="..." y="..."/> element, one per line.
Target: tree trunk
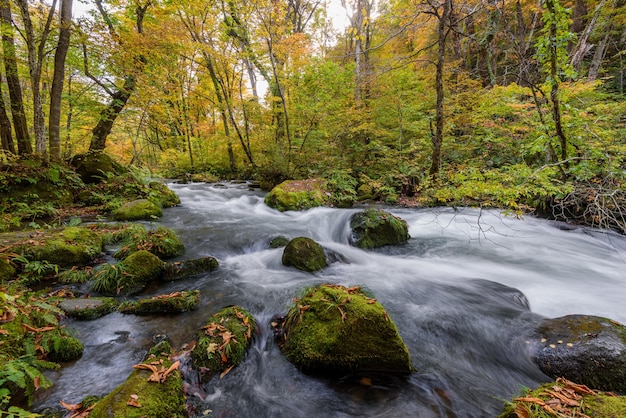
<point x="596" y="63"/>
<point x="582" y="47"/>
<point x="554" y="83"/>
<point x="56" y="92"/>
<point x="13" y="81"/>
<point x="5" y="127"/>
<point x="108" y="115"/>
<point x="437" y="138"/>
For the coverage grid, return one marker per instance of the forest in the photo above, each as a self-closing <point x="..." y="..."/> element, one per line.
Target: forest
<point x="513" y="104"/>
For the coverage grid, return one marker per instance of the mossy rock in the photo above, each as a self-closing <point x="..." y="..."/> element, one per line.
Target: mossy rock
<point x="140" y="209"/>
<point x="304" y="254"/>
<point x="586" y="349"/>
<point x="7" y="271"/>
<point x="65" y="348"/>
<point x="129" y="275"/>
<point x="278" y="242"/>
<point x="180" y="269"/>
<point x="373" y="228"/>
<point x="162" y="195"/>
<point x="298" y="195"/>
<point x="172" y="303"/>
<point x="334" y="330"/>
<point x="223" y="341"/>
<point x="139" y="397"/>
<point x="72" y="246"/>
<point x="88" y="308"/>
<point x="96" y="166"/>
<point x="162" y="242"/>
<point x="581" y="402"/>
<point x="144" y="266"/>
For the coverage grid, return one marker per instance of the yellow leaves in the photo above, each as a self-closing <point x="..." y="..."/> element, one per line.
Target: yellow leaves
<point x="159" y="374"/>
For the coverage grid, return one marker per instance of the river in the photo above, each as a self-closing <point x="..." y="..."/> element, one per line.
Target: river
<point x="465" y="291"/>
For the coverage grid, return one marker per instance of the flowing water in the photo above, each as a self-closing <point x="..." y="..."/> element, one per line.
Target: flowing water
<point x="465" y="291"/>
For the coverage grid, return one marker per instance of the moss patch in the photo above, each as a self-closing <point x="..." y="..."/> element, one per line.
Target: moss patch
<point x="172" y="303"/>
<point x="297" y="195"/>
<point x="162" y="195"/>
<point x="162" y="242"/>
<point x="223" y="341"/>
<point x="338" y="330"/>
<point x="140" y="209"/>
<point x="7" y="271"/>
<point x="128" y="276"/>
<point x="373" y="228"/>
<point x="65" y="348"/>
<point x="304" y="254"/>
<point x="564" y="398"/>
<point x="148" y="392"/>
<point x="95" y="166"/>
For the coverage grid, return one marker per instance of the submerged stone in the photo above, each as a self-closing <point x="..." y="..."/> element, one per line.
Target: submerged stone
<point x="297" y="195"/>
<point x="304" y="254"/>
<point x="88" y="308"/>
<point x="153" y="389"/>
<point x="223" y="341"/>
<point x="278" y="242"/>
<point x="336" y="330"/>
<point x="176" y="302"/>
<point x="140" y="209"/>
<point x="373" y="228"/>
<point x="586" y="349"/>
<point x="180" y="269"/>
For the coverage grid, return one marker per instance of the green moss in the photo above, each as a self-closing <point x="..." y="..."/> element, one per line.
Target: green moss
<point x="155" y="399"/>
<point x="173" y="303"/>
<point x="373" y="228"/>
<point x="162" y="195"/>
<point x="128" y="276"/>
<point x="304" y="254"/>
<point x="336" y="330"/>
<point x="140" y="209"/>
<point x="162" y="242"/>
<point x="297" y="195"/>
<point x="278" y="242"/>
<point x="96" y="166"/>
<point x="65" y="348"/>
<point x="7" y="271"/>
<point x="588" y="402"/>
<point x="223" y="341"/>
<point x="181" y="269"/>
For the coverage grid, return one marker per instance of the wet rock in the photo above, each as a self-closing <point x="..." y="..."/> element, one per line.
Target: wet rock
<point x="172" y="303"/>
<point x="304" y="254"/>
<point x="65" y="348"/>
<point x="147" y="393"/>
<point x="180" y="269"/>
<point x="96" y="166"/>
<point x="128" y="276"/>
<point x="140" y="209"/>
<point x="336" y="330"/>
<point x="88" y="308"/>
<point x="297" y="195"/>
<point x="223" y="341"/>
<point x="278" y="242"/>
<point x="373" y="228"/>
<point x="585" y="349"/>
<point x="143" y="266"/>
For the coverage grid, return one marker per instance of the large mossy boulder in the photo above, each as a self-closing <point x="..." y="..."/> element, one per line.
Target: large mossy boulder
<point x="88" y="308"/>
<point x="373" y="228"/>
<point x="585" y="349"/>
<point x="136" y="210"/>
<point x="129" y="275"/>
<point x="565" y="398"/>
<point x="72" y="246"/>
<point x="96" y="166"/>
<point x="298" y="195"/>
<point x="162" y="242"/>
<point x="223" y="341"/>
<point x="176" y="302"/>
<point x="334" y="330"/>
<point x="304" y="254"/>
<point x="153" y="389"/>
<point x="177" y="270"/>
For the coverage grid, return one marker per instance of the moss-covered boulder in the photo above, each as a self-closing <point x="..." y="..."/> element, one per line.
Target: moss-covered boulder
<point x="334" y="330"/>
<point x="373" y="228"/>
<point x="7" y="271"/>
<point x="298" y="195"/>
<point x="65" y="348"/>
<point x="129" y="275"/>
<point x="223" y="341"/>
<point x="153" y="389"/>
<point x="278" y="242"/>
<point x="88" y="308"/>
<point x="162" y="242"/>
<point x="140" y="209"/>
<point x="162" y="195"/>
<point x="304" y="254"/>
<point x="176" y="302"/>
<point x="72" y="246"/>
<point x="586" y="349"/>
<point x="96" y="166"/>
<point x="177" y="270"/>
<point x="564" y="398"/>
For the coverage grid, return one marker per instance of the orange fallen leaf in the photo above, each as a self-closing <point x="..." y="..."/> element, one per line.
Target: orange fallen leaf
<point x="133" y="401"/>
<point x="70" y="406"/>
<point x="225" y="372"/>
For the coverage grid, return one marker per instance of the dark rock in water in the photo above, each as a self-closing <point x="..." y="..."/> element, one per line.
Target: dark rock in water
<point x="180" y="269"/>
<point x="304" y="254"/>
<point x="96" y="166"/>
<point x="589" y="350"/>
<point x="335" y="330"/>
<point x="373" y="228"/>
<point x="279" y="242"/>
<point x="88" y="308"/>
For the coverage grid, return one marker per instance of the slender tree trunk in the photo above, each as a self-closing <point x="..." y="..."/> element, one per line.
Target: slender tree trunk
<point x="554" y="83"/>
<point x="598" y="56"/>
<point x="13" y="81"/>
<point x="5" y="127"/>
<point x="582" y="47"/>
<point x="437" y="138"/>
<point x="56" y="92"/>
<point x="109" y="114"/>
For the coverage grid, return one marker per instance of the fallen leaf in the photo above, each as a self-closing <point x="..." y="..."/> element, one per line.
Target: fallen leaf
<point x="212" y="348"/>
<point x="225" y="372"/>
<point x="134" y="401"/>
<point x="70" y="406"/>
